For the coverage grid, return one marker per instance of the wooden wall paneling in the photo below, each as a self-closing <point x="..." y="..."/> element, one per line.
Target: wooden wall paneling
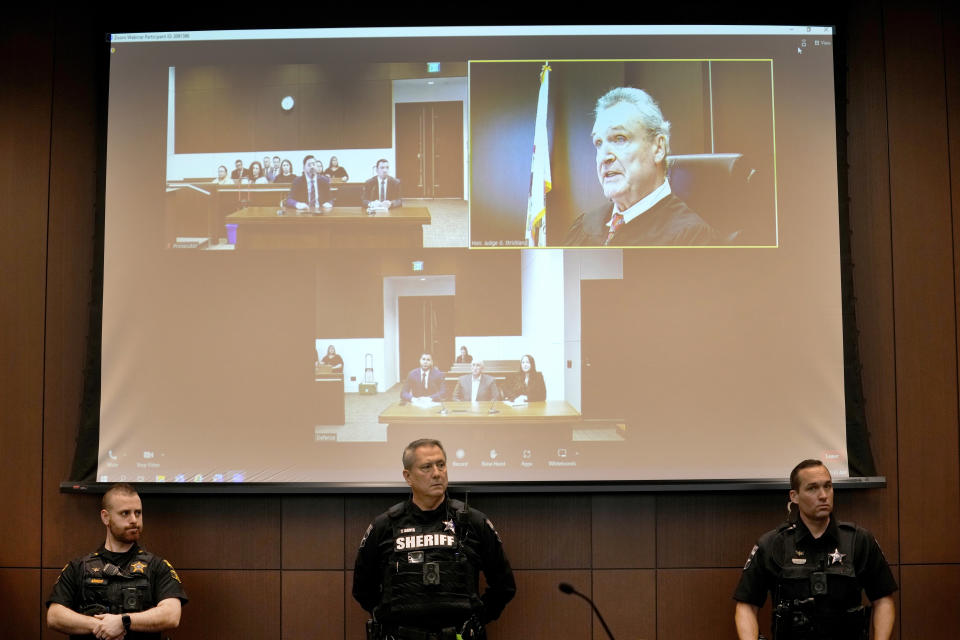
<point x="627" y="598"/>
<point x="355" y="618"/>
<point x="923" y="285"/>
<point x="928" y="600"/>
<point x="624" y="531"/>
<point x="48" y="577"/>
<point x="359" y="512"/>
<point x="24" y="157"/>
<point x="213" y="532"/>
<point x="714" y="530"/>
<point x="541" y="612"/>
<point x="544" y="531"/>
<point x="73" y="189"/>
<point x="18" y="593"/>
<point x="230" y="604"/>
<point x="951" y="50"/>
<point x="697" y="603"/>
<point x="312" y="533"/>
<point x="869" y="206"/>
<point x="312" y="604"/>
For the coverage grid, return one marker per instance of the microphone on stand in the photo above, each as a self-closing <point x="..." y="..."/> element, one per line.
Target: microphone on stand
<point x="568" y="589"/>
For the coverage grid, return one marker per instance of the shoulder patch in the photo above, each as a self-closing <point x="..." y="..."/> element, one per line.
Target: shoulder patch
<point x="366" y="533"/>
<point x="494" y="529"/>
<point x="753" y="552"/>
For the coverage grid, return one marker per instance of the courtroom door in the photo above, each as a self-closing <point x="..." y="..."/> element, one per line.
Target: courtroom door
<point x="430" y="149"/>
<point x="607" y="372"/>
<point x="425" y="325"/>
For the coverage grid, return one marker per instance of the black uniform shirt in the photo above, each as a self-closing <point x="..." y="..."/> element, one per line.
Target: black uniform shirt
<point x="377" y="547"/>
<point x="766" y="562"/>
<point x="164" y="583"/>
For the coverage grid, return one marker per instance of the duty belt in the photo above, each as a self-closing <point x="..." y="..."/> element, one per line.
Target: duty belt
<point x="413" y="633"/>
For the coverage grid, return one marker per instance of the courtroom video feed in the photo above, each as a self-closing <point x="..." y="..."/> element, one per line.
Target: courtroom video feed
<point x="316" y="156"/>
<point x="682" y="150"/>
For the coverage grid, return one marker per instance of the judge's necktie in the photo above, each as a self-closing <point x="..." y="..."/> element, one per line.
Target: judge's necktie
<point x="615" y="223"/>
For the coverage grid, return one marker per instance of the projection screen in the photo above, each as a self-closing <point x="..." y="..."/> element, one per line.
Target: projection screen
<point x="262" y="325"/>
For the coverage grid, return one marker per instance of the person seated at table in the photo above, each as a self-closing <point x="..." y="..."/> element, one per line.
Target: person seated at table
<point x="286" y="174"/>
<point x="382" y="191"/>
<point x="333" y="359"/>
<point x="256" y="173"/>
<point x="526" y="386"/>
<point x="311" y="190"/>
<point x="426" y="381"/>
<point x="335" y="171"/>
<point x="477" y="386"/>
<point x="222" y="176"/>
<point x="464" y="357"/>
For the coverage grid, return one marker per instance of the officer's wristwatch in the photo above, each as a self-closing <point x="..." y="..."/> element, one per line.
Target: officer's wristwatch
<point x="125" y="619"/>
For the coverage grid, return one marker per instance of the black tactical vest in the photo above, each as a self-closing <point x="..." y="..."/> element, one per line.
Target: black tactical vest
<point x="819" y="599"/>
<point x="431" y="576"/>
<point x="107" y="588"/>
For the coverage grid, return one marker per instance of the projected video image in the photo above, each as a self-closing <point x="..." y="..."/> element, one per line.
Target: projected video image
<point x="308" y="264"/>
<point x="684" y="149"/>
<point x="299" y="156"/>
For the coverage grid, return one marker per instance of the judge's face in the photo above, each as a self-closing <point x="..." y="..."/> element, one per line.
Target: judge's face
<point x="426" y="362"/>
<point x="627" y="155"/>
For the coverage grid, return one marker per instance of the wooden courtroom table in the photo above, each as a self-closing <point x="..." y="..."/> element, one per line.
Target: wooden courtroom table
<point x="470" y="427"/>
<point x="343" y="227"/>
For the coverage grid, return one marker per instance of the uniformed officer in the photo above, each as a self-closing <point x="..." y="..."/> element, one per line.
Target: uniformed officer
<point x="815" y="568"/>
<point x="120" y="590"/>
<point x="417" y="569"/>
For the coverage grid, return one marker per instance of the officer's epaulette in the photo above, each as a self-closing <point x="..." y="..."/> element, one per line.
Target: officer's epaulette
<point x="847" y="525"/>
<point x="456" y="505"/>
<point x="786" y="526"/>
<point x="396" y="510"/>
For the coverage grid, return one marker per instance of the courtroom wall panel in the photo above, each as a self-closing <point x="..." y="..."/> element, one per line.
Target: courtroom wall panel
<point x="236" y="107"/>
<point x="349" y="296"/>
<point x="624" y="531"/>
<point x="24" y="142"/>
<point x="225" y="532"/>
<point x="697" y="603"/>
<point x="488" y="294"/>
<point x="312" y="532"/>
<point x="923" y="278"/>
<point x="869" y="209"/>
<point x="628" y="600"/>
<point x="312" y="603"/>
<point x="544" y="613"/>
<point x="21" y="609"/>
<point x="928" y="600"/>
<point x="230" y="603"/>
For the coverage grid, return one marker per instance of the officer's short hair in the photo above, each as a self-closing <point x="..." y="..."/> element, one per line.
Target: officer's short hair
<point x="416" y="444"/>
<point x="120" y="488"/>
<point x="795" y="474"/>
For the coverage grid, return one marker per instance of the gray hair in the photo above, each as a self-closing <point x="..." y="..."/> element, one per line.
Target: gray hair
<point x="650" y="114"/>
<point x="416" y="444"/>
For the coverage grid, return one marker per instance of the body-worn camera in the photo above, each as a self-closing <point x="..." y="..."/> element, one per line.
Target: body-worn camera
<point x="132" y="599"/>
<point x="431" y="573"/>
<point x="818" y="583"/>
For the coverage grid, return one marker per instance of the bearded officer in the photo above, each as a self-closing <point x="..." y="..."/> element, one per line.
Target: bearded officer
<point x="816" y="567"/>
<point x="417" y="569"/>
<point x="120" y="590"/>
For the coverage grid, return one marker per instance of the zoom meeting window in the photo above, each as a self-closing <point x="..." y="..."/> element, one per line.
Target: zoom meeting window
<point x="570" y="254"/>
